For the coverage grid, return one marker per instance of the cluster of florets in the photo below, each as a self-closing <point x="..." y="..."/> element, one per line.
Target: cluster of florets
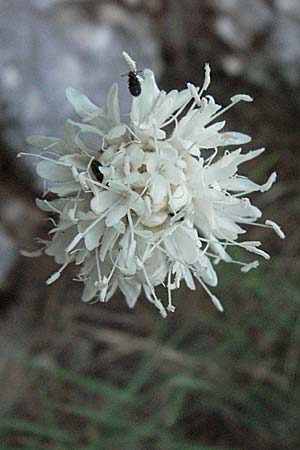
<point x="150" y="207"/>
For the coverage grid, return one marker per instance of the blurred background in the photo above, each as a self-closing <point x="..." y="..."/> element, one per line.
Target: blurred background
<point x="101" y="377"/>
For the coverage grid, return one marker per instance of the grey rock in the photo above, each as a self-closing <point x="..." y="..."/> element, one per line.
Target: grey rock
<point x="284" y="43"/>
<point x="269" y="34"/>
<point x="50" y="45"/>
<point x="9" y="256"/>
<point x="289" y="7"/>
<point x="240" y="21"/>
<point x="279" y="60"/>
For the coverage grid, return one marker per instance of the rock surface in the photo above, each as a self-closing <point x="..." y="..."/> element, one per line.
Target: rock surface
<point x="50" y="45"/>
<point x="9" y="255"/>
<point x="263" y="40"/>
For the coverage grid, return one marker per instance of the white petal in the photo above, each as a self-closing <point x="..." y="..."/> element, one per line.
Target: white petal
<point x="234" y="138"/>
<point x="112" y="289"/>
<point x="158" y="191"/>
<point x="207" y="272"/>
<point x="59" y="243"/>
<point x="156" y="267"/>
<point x="138" y="206"/>
<point x="74" y="243"/>
<point x="131" y="290"/>
<point x="180" y="198"/>
<point x="54" y="171"/>
<point x="182" y="245"/>
<point x="226" y="228"/>
<point x="103" y="201"/>
<point x="81" y="104"/>
<point x="46" y="143"/>
<point x="151" y="162"/>
<point x="145" y="234"/>
<point x="90" y="289"/>
<point x="155" y="219"/>
<point x="136" y="156"/>
<point x="83" y="128"/>
<point x="116" y="132"/>
<point x="228" y="164"/>
<point x="75" y="160"/>
<point x="92" y="237"/>
<point x="120" y="227"/>
<point x="182" y="97"/>
<point x="116" y="215"/>
<point x="109" y="238"/>
<point x="113" y="107"/>
<point x="80" y="256"/>
<point x="239" y="184"/>
<point x="56" y="205"/>
<point x="189" y="279"/>
<point x="165" y="107"/>
<point x="173" y="174"/>
<point x="64" y="189"/>
<point x="269" y="183"/>
<point x="143" y="104"/>
<point x="32" y="254"/>
<point x="168" y="152"/>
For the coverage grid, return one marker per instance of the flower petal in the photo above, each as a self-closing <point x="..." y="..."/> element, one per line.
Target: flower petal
<point x="81" y="104"/>
<point x="131" y="290"/>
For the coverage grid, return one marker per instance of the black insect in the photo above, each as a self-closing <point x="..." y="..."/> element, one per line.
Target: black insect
<point x="95" y="166"/>
<point x="134" y="84"/>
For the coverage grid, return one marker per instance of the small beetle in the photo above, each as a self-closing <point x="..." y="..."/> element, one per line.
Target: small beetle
<point x="134" y="84"/>
<point x="95" y="166"/>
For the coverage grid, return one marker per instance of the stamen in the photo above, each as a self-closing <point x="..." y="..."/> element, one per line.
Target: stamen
<point x="97" y="183"/>
<point x="258" y="251"/>
<point x="213" y="298"/>
<point x="51" y="220"/>
<point x="52" y="207"/>
<point x="206" y="82"/>
<point x="132" y="245"/>
<point x="250" y="246"/>
<point x="210" y="159"/>
<point x="154" y="298"/>
<point x="138" y="140"/>
<point x="57" y="274"/>
<point x="63" y="227"/>
<point x="276" y="228"/>
<point x="98" y="265"/>
<point x="54" y="161"/>
<point x="194" y="93"/>
<point x="234" y="100"/>
<point x="170" y="306"/>
<point x="250" y="266"/>
<point x="83" y="181"/>
<point x="173" y="135"/>
<point x="131" y="63"/>
<point x="172" y="118"/>
<point x="114" y="267"/>
<point x="79" y="236"/>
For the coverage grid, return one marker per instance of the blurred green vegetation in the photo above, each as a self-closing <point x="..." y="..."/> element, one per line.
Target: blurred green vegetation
<point x="208" y="381"/>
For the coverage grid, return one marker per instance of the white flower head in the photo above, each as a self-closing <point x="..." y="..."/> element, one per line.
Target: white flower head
<point x="158" y="202"/>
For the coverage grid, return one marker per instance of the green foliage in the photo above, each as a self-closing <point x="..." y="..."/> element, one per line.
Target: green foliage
<point x="211" y="381"/>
